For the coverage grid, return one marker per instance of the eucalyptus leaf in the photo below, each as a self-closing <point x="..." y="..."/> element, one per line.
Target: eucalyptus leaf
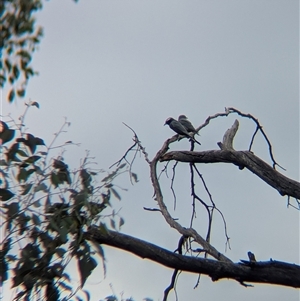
<point x="5" y="194"/>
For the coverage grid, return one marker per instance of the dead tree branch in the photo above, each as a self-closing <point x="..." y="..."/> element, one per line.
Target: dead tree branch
<point x="229" y="136"/>
<point x="243" y="159"/>
<point x="271" y="272"/>
<point x="188" y="232"/>
<point x="259" y="128"/>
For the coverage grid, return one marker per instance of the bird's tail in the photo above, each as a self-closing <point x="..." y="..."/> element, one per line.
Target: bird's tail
<point x="193" y="138"/>
<point x="196" y="141"/>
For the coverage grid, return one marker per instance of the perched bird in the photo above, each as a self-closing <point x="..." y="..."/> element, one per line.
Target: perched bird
<point x="187" y="124"/>
<point x="178" y="128"/>
<point x="251" y="257"/>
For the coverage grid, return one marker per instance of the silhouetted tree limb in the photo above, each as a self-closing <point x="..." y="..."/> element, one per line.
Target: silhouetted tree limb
<point x="71" y="207"/>
<point x="259" y="128"/>
<point x="243" y="159"/>
<point x="271" y="272"/>
<point x="188" y="232"/>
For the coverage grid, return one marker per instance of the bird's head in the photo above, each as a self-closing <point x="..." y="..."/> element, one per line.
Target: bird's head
<point x="169" y="120"/>
<point x="182" y="117"/>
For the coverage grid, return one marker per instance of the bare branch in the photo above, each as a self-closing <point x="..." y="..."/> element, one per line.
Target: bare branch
<point x="151" y="209"/>
<point x="272" y="272"/>
<point x="171" y="285"/>
<point x="258" y="128"/>
<point x="173" y="280"/>
<point x="208" y="119"/>
<point x="188" y="232"/>
<point x="172" y="183"/>
<point x="229" y="136"/>
<point x="140" y="147"/>
<point x="247" y="159"/>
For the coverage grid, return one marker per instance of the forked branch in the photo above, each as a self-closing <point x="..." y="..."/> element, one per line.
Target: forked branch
<point x="187" y="232"/>
<point x="243" y="159"/>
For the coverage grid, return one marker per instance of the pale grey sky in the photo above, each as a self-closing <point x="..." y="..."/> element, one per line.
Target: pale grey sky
<point x="102" y="63"/>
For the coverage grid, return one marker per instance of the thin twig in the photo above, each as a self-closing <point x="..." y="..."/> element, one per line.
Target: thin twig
<point x="172" y="182"/>
<point x="260" y="128"/>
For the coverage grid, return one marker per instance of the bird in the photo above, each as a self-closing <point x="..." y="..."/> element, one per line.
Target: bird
<point x="251" y="257"/>
<point x="187" y="124"/>
<point x="178" y="128"/>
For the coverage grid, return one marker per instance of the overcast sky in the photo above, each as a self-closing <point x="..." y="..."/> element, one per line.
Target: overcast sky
<point x="102" y="63"/>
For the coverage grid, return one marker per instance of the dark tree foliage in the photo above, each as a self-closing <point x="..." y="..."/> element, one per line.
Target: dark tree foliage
<point x="54" y="215"/>
<point x="19" y="38"/>
<point x="46" y="207"/>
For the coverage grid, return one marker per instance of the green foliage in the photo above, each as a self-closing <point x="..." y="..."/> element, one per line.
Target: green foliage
<point x="46" y="207"/>
<point x="5" y="194"/>
<point x="86" y="263"/>
<point x="19" y="38"/>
